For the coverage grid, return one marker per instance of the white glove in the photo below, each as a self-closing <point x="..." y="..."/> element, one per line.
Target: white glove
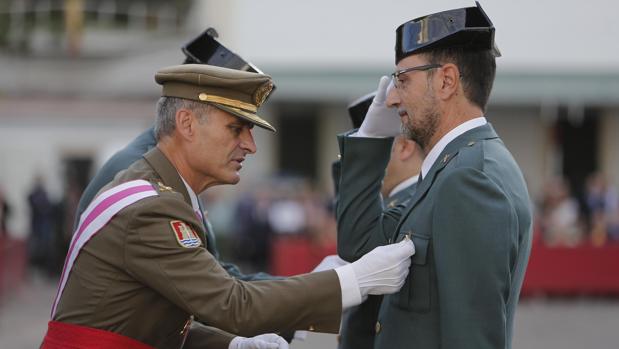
<point x="330" y="262"/>
<point x="263" y="341"/>
<point x="380" y="120"/>
<point x="384" y="269"/>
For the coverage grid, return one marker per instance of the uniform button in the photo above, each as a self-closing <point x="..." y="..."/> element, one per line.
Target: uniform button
<point x="377" y="327"/>
<point x="339" y="156"/>
<point x="311" y="328"/>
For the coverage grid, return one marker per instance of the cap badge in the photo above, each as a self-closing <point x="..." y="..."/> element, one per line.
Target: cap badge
<point x="262" y="93"/>
<point x="185" y="236"/>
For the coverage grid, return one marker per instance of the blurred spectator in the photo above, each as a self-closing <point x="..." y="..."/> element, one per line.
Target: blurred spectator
<point x="560" y="215"/>
<point x="602" y="202"/>
<point x="253" y="232"/>
<point x="41" y="227"/>
<point x="285" y="212"/>
<point x="5" y="211"/>
<point x="64" y="212"/>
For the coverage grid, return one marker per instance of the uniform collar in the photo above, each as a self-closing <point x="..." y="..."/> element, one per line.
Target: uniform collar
<point x="446" y="139"/>
<point x="403" y="185"/>
<point x="164" y="168"/>
<point x="192" y="195"/>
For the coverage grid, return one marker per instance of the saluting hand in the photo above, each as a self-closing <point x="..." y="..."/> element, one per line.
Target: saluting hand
<point x="380" y="120"/>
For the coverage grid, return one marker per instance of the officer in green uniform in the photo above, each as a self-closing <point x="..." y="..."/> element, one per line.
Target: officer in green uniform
<point x="470" y="216"/>
<point x="146" y="270"/>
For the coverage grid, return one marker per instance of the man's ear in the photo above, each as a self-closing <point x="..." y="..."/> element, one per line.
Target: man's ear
<point x="447" y="81"/>
<point x="185" y="120"/>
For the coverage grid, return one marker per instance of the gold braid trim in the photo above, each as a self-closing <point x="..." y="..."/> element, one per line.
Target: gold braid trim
<point x="227" y="101"/>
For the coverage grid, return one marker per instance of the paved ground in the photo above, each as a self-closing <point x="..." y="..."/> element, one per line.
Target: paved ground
<point x="544" y="324"/>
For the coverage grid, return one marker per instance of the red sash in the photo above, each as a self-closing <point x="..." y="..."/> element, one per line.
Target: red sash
<point x="61" y="335"/>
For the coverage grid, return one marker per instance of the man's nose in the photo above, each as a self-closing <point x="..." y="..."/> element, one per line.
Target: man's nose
<point x="393" y="98"/>
<point x="247" y="141"/>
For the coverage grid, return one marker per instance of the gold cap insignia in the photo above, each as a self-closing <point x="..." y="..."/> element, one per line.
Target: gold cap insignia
<point x="262" y="93"/>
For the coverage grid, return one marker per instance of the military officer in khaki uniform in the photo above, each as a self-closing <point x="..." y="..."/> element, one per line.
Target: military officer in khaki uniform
<point x="139" y="278"/>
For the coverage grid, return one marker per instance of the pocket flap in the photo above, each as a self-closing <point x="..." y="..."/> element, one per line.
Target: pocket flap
<point x="421" y="246"/>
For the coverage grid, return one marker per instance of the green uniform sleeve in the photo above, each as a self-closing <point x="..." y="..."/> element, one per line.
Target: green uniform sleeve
<point x="361" y="223"/>
<point x="474" y="242"/>
<point x="193" y="280"/>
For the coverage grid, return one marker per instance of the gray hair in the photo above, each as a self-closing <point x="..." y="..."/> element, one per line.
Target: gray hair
<point x="165" y="122"/>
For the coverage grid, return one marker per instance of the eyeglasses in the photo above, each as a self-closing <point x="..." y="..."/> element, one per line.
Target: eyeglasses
<point x="396" y="76"/>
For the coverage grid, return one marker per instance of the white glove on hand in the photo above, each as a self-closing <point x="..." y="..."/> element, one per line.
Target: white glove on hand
<point x="380" y="120"/>
<point x="330" y="262"/>
<point x="263" y="341"/>
<point x="384" y="269"/>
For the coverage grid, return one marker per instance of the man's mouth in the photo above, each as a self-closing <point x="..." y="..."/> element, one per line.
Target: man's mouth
<point x="239" y="161"/>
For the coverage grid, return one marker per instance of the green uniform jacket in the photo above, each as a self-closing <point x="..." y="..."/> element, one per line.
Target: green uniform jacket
<point x="358" y="323"/>
<point x="470" y="220"/>
<point x="134" y="278"/>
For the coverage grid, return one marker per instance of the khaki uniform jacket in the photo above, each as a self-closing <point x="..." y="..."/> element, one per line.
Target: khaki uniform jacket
<point x="470" y="221"/>
<point x="134" y="277"/>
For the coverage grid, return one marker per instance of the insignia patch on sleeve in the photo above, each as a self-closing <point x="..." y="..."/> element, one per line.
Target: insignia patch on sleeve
<point x="185" y="236"/>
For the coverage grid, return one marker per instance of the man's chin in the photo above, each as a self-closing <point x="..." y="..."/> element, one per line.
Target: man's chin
<point x="234" y="179"/>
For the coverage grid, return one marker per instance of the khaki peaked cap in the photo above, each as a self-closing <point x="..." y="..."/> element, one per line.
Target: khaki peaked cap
<point x="238" y="92"/>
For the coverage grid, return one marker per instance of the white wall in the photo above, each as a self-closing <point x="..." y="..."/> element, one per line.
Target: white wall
<point x="544" y="34"/>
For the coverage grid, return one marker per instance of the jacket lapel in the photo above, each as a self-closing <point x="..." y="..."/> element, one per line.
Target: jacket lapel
<point x="468" y="138"/>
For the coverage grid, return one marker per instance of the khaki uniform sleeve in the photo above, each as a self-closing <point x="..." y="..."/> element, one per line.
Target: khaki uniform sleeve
<point x="201" y="336"/>
<point x="191" y="278"/>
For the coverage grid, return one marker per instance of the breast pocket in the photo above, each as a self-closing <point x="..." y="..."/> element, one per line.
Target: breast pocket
<point x="415" y="294"/>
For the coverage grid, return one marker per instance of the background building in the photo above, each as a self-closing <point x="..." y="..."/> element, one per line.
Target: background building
<point x="77" y="81"/>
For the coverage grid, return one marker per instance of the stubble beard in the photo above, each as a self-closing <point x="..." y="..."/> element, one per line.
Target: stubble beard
<point x="423" y="131"/>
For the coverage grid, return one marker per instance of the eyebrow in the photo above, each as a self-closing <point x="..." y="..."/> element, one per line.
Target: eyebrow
<point x="242" y="123"/>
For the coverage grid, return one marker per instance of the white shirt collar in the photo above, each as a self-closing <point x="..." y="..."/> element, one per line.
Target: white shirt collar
<point x="447" y="138"/>
<point x="403" y="185"/>
<point x="192" y="196"/>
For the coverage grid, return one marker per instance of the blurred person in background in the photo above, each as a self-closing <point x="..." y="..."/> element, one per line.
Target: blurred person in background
<point x="252" y="231"/>
<point x="470" y="215"/>
<point x="602" y="205"/>
<point x="144" y="267"/>
<point x="400" y="180"/>
<point x="5" y="212"/>
<point x="40" y="240"/>
<point x="560" y="215"/>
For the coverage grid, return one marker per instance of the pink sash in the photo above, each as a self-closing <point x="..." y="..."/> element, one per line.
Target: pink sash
<point x="96" y="216"/>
